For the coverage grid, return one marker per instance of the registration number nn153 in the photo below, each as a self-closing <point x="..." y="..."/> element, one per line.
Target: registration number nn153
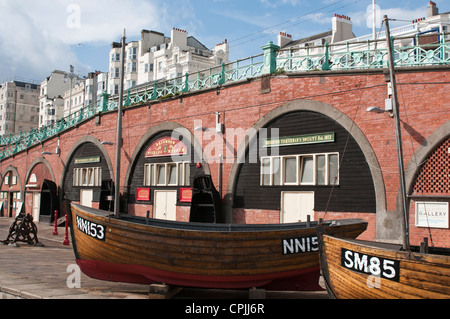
<point x="94" y="230"/>
<point x="370" y="265"/>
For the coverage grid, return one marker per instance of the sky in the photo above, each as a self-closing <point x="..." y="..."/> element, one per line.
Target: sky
<point x="37" y="37"/>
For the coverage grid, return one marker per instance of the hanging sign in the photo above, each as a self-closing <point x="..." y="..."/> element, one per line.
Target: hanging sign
<point x="300" y="140"/>
<point x="185" y="195"/>
<point x="432" y="214"/>
<point x="143" y="194"/>
<point x="166" y="146"/>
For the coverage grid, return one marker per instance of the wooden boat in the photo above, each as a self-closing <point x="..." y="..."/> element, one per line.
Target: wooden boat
<point x="367" y="270"/>
<point x="375" y="270"/>
<point x="198" y="253"/>
<point x="139" y="250"/>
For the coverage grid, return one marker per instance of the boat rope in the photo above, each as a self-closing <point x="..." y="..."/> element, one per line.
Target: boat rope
<point x="345" y="147"/>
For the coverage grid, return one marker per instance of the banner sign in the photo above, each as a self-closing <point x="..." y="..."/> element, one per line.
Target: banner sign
<point x="87" y="160"/>
<point x="166" y="146"/>
<point x="300" y="140"/>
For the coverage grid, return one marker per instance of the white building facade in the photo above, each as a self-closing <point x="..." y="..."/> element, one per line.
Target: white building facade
<point x="341" y="33"/>
<point x="51" y="99"/>
<point x="157" y="57"/>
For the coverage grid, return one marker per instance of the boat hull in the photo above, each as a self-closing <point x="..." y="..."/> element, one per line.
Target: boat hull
<point x="283" y="257"/>
<point x="363" y="270"/>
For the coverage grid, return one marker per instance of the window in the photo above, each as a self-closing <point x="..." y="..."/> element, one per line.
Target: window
<point x="167" y="174"/>
<point x="88" y="176"/>
<point x="308" y="169"/>
<point x="290" y="171"/>
<point x="132" y="53"/>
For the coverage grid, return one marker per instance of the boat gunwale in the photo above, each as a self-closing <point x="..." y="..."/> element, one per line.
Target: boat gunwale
<point x="399" y="252"/>
<point x="207" y="227"/>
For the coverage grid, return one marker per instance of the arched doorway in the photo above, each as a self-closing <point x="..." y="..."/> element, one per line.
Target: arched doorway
<point x="49" y="202"/>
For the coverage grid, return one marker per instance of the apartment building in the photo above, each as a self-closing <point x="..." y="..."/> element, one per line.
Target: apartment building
<point x="19" y="107"/>
<point x="157" y="57"/>
<point x="85" y="92"/>
<point x="341" y="33"/>
<point x="51" y="99"/>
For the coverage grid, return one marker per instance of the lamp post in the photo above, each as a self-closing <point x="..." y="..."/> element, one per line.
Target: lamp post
<point x="393" y="107"/>
<point x="70" y="76"/>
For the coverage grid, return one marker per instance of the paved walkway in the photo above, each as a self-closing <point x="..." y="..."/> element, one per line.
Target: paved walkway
<point x="32" y="272"/>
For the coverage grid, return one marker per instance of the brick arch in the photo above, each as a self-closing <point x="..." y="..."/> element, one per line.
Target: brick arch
<point x="73" y="150"/>
<point x="36" y="162"/>
<point x="154" y="130"/>
<point x="11" y="168"/>
<point x="333" y="114"/>
<point x="439" y="138"/>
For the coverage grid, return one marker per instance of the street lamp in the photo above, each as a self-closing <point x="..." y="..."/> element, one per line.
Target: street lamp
<point x="70" y="76"/>
<point x="387" y="108"/>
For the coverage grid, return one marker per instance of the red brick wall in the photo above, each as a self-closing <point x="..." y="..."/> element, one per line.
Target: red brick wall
<point x="424" y="107"/>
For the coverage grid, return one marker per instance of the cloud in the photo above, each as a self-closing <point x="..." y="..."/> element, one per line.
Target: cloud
<point x="277" y="3"/>
<point x="363" y="19"/>
<point x="36" y="36"/>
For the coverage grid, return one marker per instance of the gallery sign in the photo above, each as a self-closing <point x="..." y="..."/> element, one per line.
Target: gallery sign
<point x="432" y="214"/>
<point x="166" y="146"/>
<point x="300" y="140"/>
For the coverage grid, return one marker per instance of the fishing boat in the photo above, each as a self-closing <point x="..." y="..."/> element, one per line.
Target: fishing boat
<point x="199" y="253"/>
<point x="354" y="269"/>
<point x="357" y="269"/>
<point x="228" y="256"/>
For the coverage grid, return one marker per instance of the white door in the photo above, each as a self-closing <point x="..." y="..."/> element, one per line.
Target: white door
<point x="296" y="206"/>
<point x="36" y="206"/>
<point x="165" y="205"/>
<point x="86" y="197"/>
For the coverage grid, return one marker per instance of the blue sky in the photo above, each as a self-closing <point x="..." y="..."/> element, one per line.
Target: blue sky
<point x="37" y="37"/>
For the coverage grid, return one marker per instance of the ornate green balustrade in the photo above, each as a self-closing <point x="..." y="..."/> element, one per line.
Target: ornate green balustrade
<point x="343" y="56"/>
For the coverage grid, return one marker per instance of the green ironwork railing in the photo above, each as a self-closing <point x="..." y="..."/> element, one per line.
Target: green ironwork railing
<point x="342" y="56"/>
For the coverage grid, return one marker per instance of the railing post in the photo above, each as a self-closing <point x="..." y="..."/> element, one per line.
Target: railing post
<point x="186" y="83"/>
<point x="270" y="57"/>
<point x="154" y="93"/>
<point x="105" y="98"/>
<point x="127" y="101"/>
<point x="326" y="65"/>
<point x="222" y="75"/>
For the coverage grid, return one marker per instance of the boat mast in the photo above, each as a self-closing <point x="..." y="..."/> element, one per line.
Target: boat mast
<point x="398" y="137"/>
<point x="119" y="131"/>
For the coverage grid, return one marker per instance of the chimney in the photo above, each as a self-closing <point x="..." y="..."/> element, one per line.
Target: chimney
<point x="283" y="39"/>
<point x="342" y="28"/>
<point x="432" y="10"/>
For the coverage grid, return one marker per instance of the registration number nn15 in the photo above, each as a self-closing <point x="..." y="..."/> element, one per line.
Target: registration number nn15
<point x="370" y="265"/>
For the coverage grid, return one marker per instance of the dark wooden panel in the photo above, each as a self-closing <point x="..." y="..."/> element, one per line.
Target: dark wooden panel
<point x="355" y="192"/>
<point x="84" y="151"/>
<point x="137" y="172"/>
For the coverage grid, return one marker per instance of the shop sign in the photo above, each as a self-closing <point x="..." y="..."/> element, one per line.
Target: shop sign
<point x="166" y="146"/>
<point x="432" y="214"/>
<point x="87" y="160"/>
<point x="185" y="195"/>
<point x="300" y="140"/>
<point x="143" y="194"/>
